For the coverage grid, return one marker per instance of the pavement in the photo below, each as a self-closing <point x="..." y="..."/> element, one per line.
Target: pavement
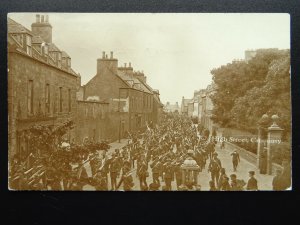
<point x="264" y="181"/>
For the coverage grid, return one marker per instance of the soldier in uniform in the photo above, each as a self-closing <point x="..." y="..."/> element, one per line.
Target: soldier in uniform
<point x="156" y="168"/>
<point x="178" y="174"/>
<point x="142" y="173"/>
<point x="222" y="178"/>
<point x="214" y="168"/>
<point x="126" y="178"/>
<point x="101" y="180"/>
<point x="168" y="175"/>
<point x="114" y="169"/>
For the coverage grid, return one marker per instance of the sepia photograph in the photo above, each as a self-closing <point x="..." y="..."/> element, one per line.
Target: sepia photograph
<point x="149" y="102"/>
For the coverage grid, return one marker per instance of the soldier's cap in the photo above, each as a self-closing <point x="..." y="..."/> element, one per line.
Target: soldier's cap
<point x="233" y="175"/>
<point x="215" y="153"/>
<point x="251" y="172"/>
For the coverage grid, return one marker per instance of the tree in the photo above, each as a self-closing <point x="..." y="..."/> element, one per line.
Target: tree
<point x="246" y="91"/>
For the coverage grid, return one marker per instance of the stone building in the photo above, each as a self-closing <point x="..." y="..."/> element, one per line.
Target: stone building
<point x="44" y="89"/>
<point x="91" y="121"/>
<point x="186" y="106"/>
<point x="207" y="107"/>
<point x="132" y="102"/>
<point x="249" y="54"/>
<point x="42" y="85"/>
<point x="172" y="107"/>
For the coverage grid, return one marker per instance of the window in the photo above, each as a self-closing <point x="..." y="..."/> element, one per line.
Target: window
<point x="94" y="111"/>
<point x="18" y="38"/>
<point x="68" y="62"/>
<point x="69" y="100"/>
<point x="28" y="45"/>
<point x="47" y="98"/>
<point x="59" y="59"/>
<point x="30" y="97"/>
<point x="45" y="49"/>
<point x="60" y="99"/>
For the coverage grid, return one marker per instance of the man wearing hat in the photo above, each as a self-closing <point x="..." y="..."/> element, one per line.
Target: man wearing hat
<point x="277" y="181"/>
<point x="235" y="160"/>
<point x="114" y="169"/>
<point x="214" y="168"/>
<point x="252" y="182"/>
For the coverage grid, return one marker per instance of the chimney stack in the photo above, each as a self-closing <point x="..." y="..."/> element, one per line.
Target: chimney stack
<point x="125" y="65"/>
<point x="129" y="64"/>
<point x="106" y="56"/>
<point x="42" y="28"/>
<point x="111" y="55"/>
<point x="103" y="55"/>
<point x="37" y="16"/>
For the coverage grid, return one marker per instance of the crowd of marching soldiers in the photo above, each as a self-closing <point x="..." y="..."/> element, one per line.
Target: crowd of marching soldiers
<point x="160" y="150"/>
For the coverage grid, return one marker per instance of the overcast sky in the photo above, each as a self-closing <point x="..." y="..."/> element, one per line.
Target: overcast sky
<point x="175" y="51"/>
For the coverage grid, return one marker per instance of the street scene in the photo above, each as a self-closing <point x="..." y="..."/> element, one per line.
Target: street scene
<point x="149" y="102"/>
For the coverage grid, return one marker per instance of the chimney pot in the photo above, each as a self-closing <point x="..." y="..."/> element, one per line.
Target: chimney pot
<point x="111" y="55"/>
<point x="129" y="64"/>
<point x="103" y="55"/>
<point x="106" y="56"/>
<point x="37" y="16"/>
<point x="42" y="19"/>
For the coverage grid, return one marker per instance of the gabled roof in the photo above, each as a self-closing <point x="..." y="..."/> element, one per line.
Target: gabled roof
<point x="127" y="78"/>
<point x="14" y="27"/>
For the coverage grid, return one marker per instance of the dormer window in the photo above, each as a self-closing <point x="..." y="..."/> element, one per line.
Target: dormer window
<point x="28" y="45"/>
<point x="69" y="62"/>
<point x="59" y="59"/>
<point x="18" y="38"/>
<point x="45" y="49"/>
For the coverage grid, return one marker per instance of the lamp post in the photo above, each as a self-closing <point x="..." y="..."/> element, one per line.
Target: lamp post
<point x="274" y="133"/>
<point x="262" y="136"/>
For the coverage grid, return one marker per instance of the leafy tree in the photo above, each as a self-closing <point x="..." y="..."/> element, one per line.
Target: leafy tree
<point x="246" y="91"/>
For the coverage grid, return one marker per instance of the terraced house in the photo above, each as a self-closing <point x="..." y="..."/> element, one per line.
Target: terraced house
<point x="42" y="85"/>
<point x="132" y="102"/>
<point x="44" y="89"/>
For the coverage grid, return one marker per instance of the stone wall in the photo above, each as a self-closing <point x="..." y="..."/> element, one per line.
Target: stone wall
<point x="23" y="68"/>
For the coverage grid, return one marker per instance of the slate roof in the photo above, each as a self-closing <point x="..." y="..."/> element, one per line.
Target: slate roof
<point x="53" y="48"/>
<point x="127" y="78"/>
<point x="14" y="27"/>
